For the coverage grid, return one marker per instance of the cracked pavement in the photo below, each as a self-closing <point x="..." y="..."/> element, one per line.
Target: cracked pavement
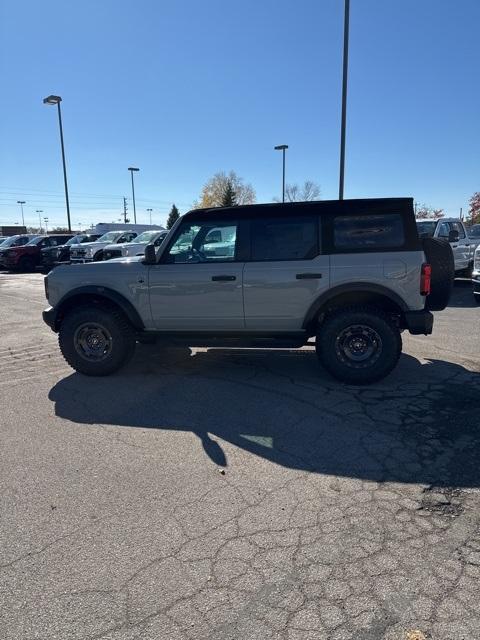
<point x="238" y="494"/>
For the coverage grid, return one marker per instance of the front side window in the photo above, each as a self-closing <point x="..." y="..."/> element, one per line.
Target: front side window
<point x="204" y="242"/>
<point x="293" y="238"/>
<point x="456" y="226"/>
<point x="376" y="231"/>
<point x="127" y="237"/>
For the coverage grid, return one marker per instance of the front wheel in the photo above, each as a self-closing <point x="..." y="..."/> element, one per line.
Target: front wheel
<point x="26" y="264"/>
<point x="96" y="341"/>
<point x="358" y="345"/>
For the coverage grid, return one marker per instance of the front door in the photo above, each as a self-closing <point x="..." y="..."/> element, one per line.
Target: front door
<point x="198" y="285"/>
<point x="461" y="248"/>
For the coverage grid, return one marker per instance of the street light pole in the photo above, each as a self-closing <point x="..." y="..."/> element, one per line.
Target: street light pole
<point x="46" y="225"/>
<point x="132" y="169"/>
<point x="282" y="148"/>
<point x="39" y="211"/>
<point x="56" y="100"/>
<point x="21" y="203"/>
<point x="344" y="99"/>
<point x="150" y="212"/>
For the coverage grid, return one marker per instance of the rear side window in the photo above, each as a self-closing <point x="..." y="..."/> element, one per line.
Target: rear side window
<point x="378" y="231"/>
<point x="293" y="238"/>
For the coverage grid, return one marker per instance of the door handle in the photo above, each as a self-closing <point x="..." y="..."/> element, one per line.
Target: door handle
<point x="223" y="278"/>
<point x="454" y="246"/>
<point x="308" y="276"/>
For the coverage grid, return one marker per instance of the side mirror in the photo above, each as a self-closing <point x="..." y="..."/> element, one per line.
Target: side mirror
<point x="150" y="254"/>
<point x="453" y="236"/>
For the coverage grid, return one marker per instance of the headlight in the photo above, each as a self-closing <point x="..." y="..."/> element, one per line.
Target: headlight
<point x="89" y="252"/>
<point x="477" y="260"/>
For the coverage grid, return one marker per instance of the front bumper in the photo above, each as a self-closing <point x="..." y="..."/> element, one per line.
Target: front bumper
<point x="74" y="260"/>
<point x="49" y="317"/>
<point x="476" y="283"/>
<point x="419" y="322"/>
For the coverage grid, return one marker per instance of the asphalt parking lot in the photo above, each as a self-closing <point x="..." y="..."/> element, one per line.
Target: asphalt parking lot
<point x="213" y="494"/>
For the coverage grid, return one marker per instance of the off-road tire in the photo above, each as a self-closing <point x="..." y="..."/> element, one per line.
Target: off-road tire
<point x="329" y="341"/>
<point x="439" y="255"/>
<point x="114" y="324"/>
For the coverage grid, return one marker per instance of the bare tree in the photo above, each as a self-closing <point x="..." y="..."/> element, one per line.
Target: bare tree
<point x="295" y="193"/>
<point x="424" y="212"/>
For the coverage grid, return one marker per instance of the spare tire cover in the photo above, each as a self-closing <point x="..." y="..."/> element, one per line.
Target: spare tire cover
<point x="439" y="255"/>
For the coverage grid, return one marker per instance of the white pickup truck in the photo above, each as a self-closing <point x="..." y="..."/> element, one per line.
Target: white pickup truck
<point x="453" y="230"/>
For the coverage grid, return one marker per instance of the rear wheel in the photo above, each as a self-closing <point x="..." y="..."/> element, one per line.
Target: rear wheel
<point x="358" y="345"/>
<point x="96" y="341"/>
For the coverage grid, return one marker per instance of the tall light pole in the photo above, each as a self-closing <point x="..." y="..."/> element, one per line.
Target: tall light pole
<point x="150" y="212"/>
<point x="344" y="99"/>
<point x="39" y="211"/>
<point x="282" y="148"/>
<point x="56" y="100"/>
<point x="21" y="203"/>
<point x="132" y="169"/>
<point x="46" y="225"/>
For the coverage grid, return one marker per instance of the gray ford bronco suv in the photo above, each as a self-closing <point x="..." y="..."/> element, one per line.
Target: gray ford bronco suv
<point x="352" y="273"/>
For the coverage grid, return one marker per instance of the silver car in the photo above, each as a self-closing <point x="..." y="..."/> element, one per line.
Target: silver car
<point x="137" y="246"/>
<point x="353" y="274"/>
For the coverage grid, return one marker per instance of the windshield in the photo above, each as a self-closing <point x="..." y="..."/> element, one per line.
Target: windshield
<point x="474" y="232"/>
<point x="146" y="236"/>
<point x="426" y="228"/>
<point x="9" y="241"/>
<point x="74" y="240"/>
<point x="34" y="241"/>
<point x="111" y="236"/>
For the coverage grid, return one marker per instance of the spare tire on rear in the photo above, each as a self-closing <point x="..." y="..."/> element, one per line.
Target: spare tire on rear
<point x="439" y="255"/>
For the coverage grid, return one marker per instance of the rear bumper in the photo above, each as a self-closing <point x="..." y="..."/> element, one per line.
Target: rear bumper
<point x="419" y="322"/>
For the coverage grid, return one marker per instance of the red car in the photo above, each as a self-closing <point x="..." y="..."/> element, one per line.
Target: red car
<point x="27" y="257"/>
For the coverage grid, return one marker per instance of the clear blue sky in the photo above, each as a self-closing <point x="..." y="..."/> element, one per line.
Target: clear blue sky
<point x="183" y="89"/>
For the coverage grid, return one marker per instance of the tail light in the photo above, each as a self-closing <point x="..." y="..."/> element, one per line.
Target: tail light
<point x="426" y="279"/>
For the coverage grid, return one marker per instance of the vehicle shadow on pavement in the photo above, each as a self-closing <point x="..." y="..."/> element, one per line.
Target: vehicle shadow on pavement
<point x="462" y="295"/>
<point x="420" y="425"/>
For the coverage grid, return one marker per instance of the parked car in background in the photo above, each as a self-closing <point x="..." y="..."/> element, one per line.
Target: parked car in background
<point x="453" y="231"/>
<point x="93" y="251"/>
<point x="476" y="275"/>
<point x="474" y="232"/>
<point x="28" y="256"/>
<point x="55" y="255"/>
<point x="136" y="247"/>
<point x="14" y="241"/>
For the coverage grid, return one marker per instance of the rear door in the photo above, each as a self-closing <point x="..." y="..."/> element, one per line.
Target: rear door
<point x="285" y="274"/>
<point x="198" y="284"/>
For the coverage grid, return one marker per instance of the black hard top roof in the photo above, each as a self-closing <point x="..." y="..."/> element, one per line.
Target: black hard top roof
<point x="362" y="206"/>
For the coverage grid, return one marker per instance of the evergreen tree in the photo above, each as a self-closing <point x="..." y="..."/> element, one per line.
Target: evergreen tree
<point x="229" y="198"/>
<point x="173" y="216"/>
